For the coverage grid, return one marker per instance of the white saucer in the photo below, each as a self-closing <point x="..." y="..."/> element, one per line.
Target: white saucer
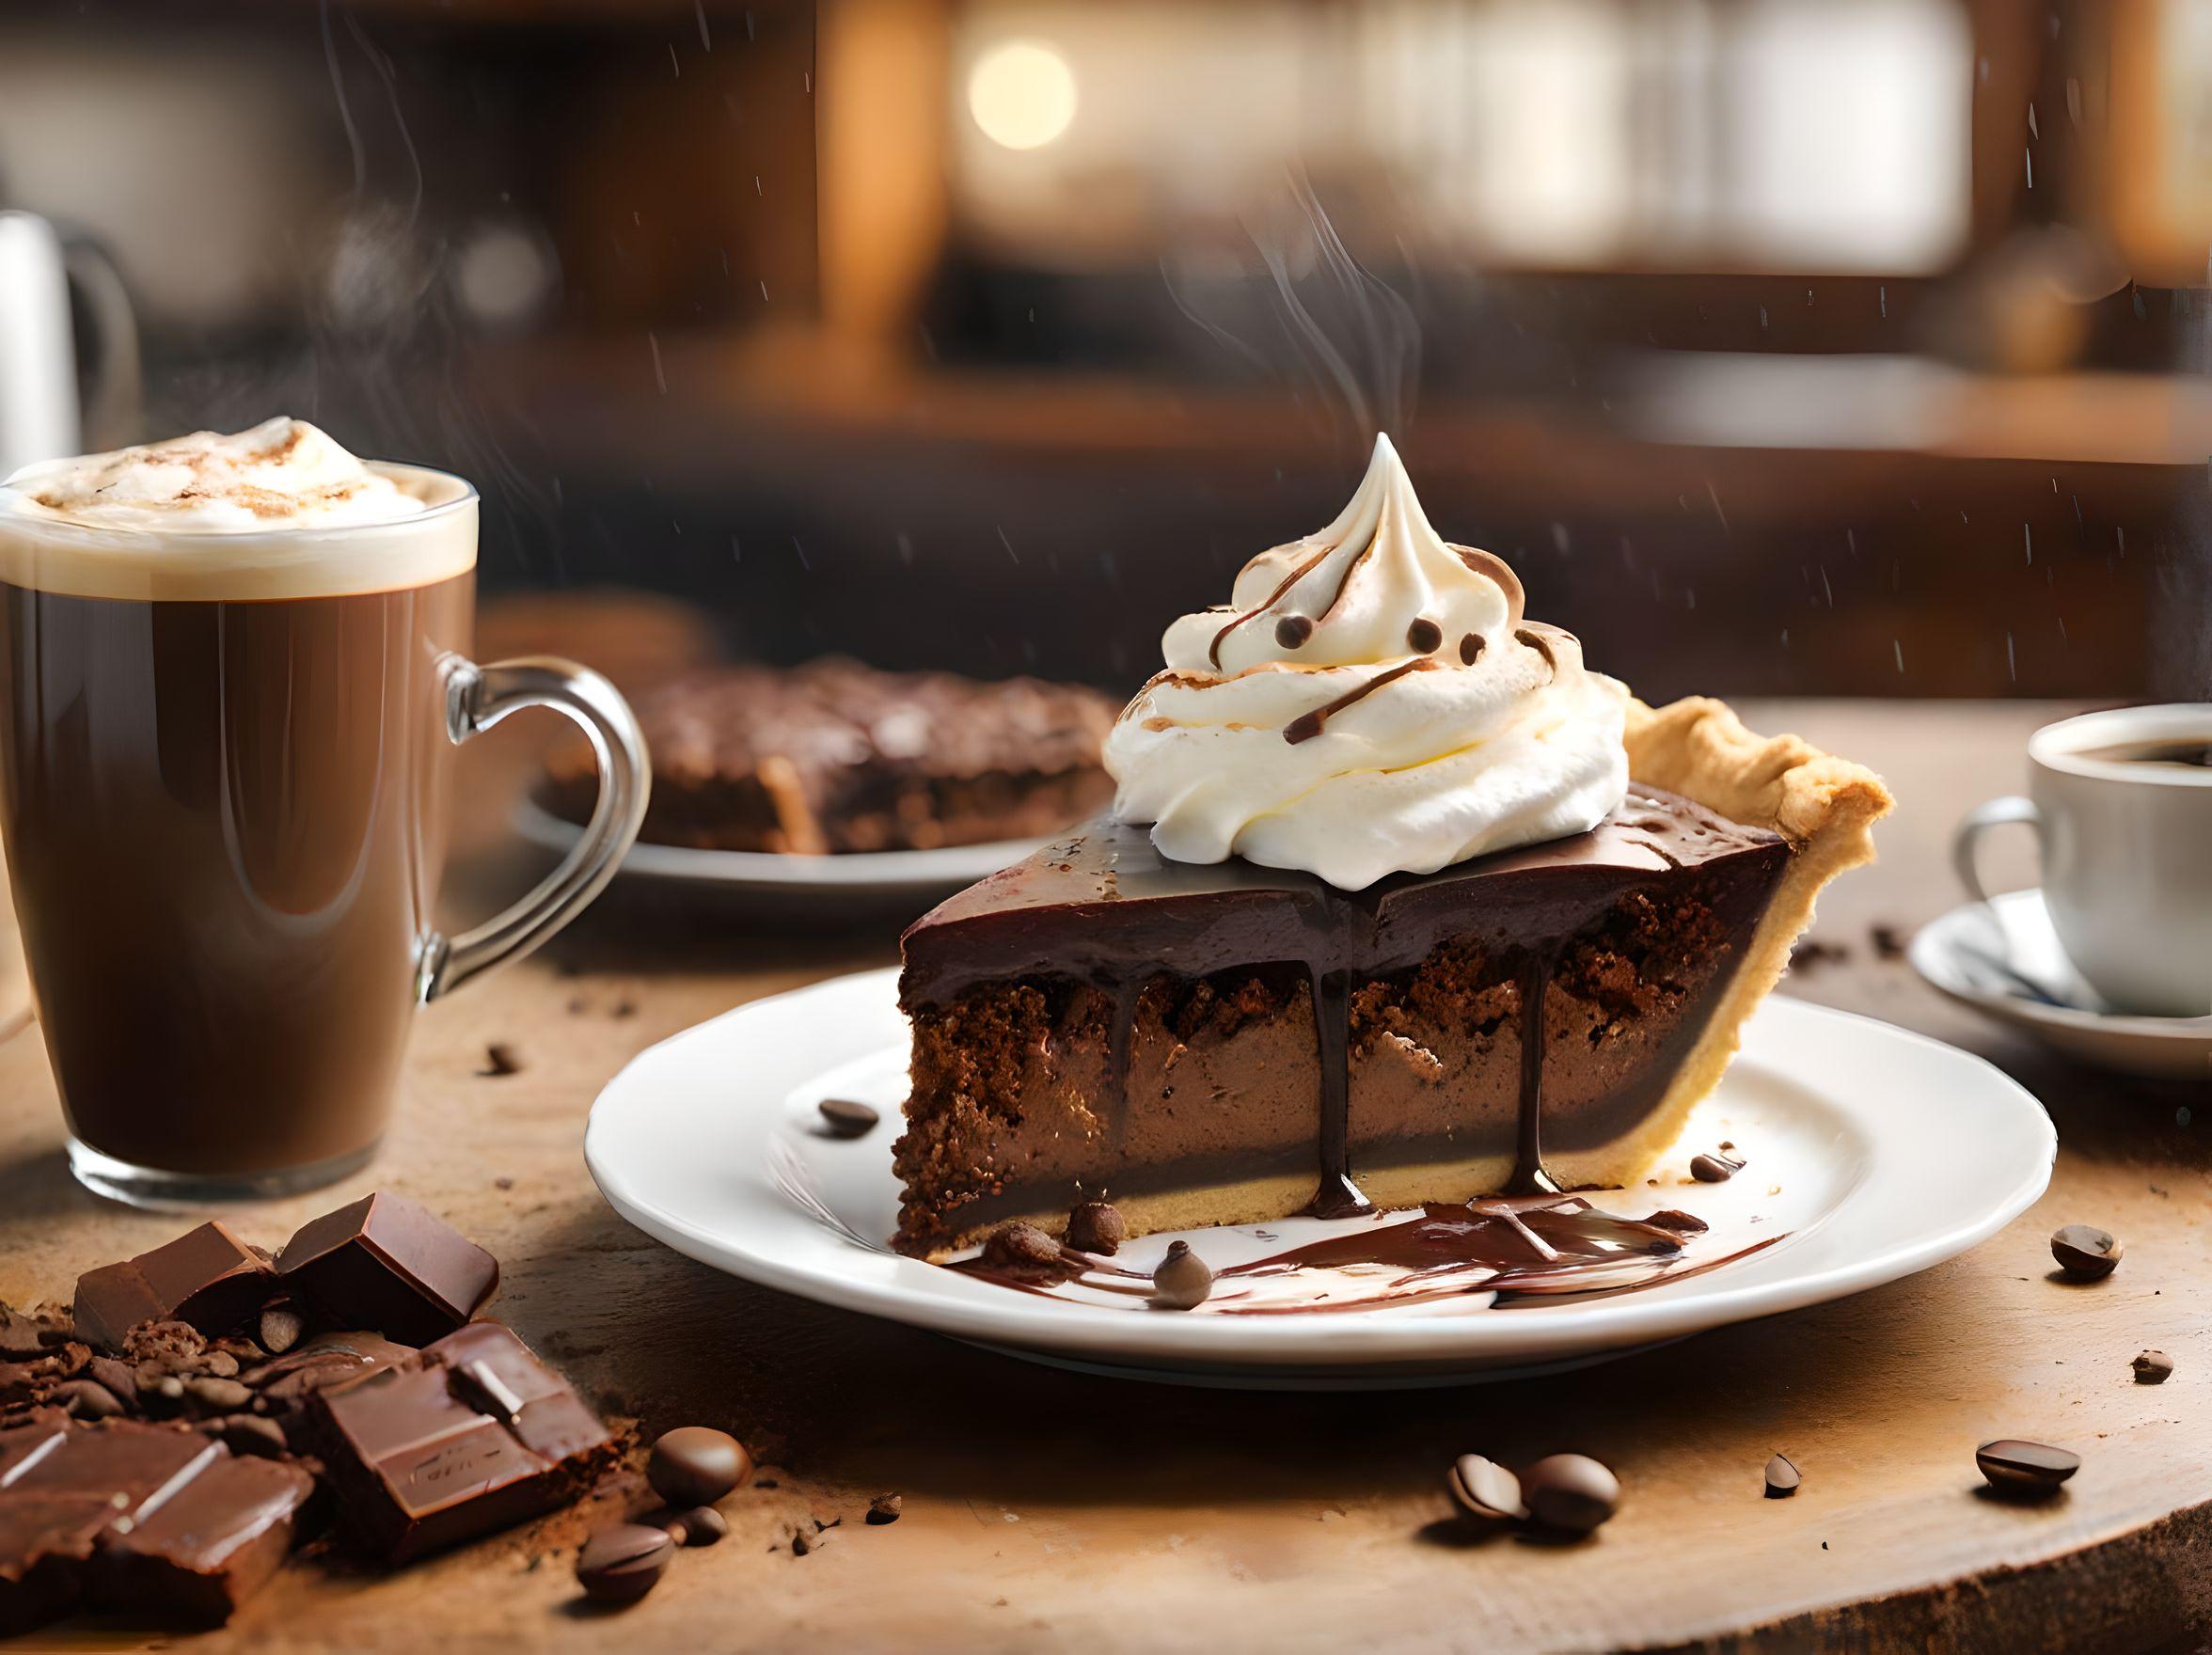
<point x="1875" y="1152"/>
<point x="2004" y="960"/>
<point x="923" y="876"/>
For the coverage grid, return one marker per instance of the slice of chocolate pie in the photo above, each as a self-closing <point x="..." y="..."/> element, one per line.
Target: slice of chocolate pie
<point x="1380" y="918"/>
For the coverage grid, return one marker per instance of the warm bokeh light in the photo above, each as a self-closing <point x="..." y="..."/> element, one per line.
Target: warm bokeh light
<point x="1022" y="94"/>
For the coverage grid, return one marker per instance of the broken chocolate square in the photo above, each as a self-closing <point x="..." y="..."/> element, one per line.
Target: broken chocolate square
<point x="206" y="1277"/>
<point x="472" y="1435"/>
<point x="201" y="1553"/>
<point x="387" y="1263"/>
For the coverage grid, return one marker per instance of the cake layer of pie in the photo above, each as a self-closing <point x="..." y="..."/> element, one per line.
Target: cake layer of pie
<point x="1225" y="1043"/>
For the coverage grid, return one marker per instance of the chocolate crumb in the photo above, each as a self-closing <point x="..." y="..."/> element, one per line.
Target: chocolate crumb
<point x="2085" y="1253"/>
<point x="1715" y="1169"/>
<point x="1096" y="1226"/>
<point x="1889" y="943"/>
<point x="502" y="1183"/>
<point x="884" y="1509"/>
<point x="499" y="1061"/>
<point x="1811" y="953"/>
<point x="1024" y="1251"/>
<point x="626" y="1008"/>
<point x="2153" y="1368"/>
<point x="1682" y="1223"/>
<point x="843" y="1117"/>
<point x="800" y="1544"/>
<point x="1782" y="1477"/>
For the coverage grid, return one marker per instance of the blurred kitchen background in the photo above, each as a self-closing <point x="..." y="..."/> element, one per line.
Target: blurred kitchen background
<point x="1809" y="346"/>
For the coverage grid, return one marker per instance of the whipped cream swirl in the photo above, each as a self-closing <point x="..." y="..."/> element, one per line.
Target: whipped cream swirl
<point x="281" y="474"/>
<point x="1372" y="701"/>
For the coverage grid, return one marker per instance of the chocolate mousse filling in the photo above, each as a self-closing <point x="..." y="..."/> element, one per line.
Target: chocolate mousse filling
<point x="1224" y="1043"/>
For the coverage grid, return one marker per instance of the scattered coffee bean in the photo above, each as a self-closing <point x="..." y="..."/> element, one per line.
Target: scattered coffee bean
<point x="1182" y="1281"/>
<point x="250" y="1434"/>
<point x="1025" y="1251"/>
<point x="843" y="1118"/>
<point x="626" y="1008"/>
<point x="702" y="1525"/>
<point x="85" y="1399"/>
<point x="621" y="1564"/>
<point x="1781" y="1478"/>
<point x="1096" y="1226"/>
<point x="1485" y="1490"/>
<point x="2028" y="1471"/>
<point x="886" y="1507"/>
<point x="501" y="1061"/>
<point x="120" y="1377"/>
<point x="503" y="1182"/>
<point x="218" y="1396"/>
<point x="282" y="1327"/>
<point x="1715" y="1169"/>
<point x="696" y="1465"/>
<point x="1570" y="1493"/>
<point x="2153" y="1368"/>
<point x="1292" y="630"/>
<point x="2085" y="1253"/>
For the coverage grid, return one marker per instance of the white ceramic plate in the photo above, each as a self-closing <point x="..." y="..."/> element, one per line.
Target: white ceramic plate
<point x="2004" y="960"/>
<point x="887" y="873"/>
<point x="1878" y="1152"/>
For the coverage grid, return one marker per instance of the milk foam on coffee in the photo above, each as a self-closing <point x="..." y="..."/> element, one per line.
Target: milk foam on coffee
<point x="282" y="510"/>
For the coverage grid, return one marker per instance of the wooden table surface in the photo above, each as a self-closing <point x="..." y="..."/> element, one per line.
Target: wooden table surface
<point x="1049" y="1510"/>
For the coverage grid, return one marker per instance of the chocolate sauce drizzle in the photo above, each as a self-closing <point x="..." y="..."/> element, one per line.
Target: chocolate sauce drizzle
<point x="1309" y="725"/>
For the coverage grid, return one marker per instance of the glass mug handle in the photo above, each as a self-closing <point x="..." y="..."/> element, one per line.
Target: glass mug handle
<point x="478" y="698"/>
<point x="1998" y="812"/>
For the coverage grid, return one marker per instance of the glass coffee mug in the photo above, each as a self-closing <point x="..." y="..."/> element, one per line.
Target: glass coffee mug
<point x="226" y="763"/>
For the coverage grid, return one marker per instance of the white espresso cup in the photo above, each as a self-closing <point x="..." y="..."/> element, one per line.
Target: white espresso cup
<point x="2125" y="843"/>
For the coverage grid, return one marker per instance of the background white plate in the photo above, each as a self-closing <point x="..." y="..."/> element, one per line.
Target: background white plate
<point x="1969" y="952"/>
<point x="1880" y="1152"/>
<point x="923" y="876"/>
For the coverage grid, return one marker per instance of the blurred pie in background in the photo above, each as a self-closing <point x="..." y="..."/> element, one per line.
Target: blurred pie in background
<point x="834" y="756"/>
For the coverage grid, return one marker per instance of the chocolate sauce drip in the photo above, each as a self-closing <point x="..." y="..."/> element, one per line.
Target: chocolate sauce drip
<point x="1338" y="1197"/>
<point x="1289" y="580"/>
<point x="1309" y="725"/>
<point x="1529" y="1177"/>
<point x="1540" y="644"/>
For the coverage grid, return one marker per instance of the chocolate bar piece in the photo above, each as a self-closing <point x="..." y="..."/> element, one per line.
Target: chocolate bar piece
<point x="199" y="1554"/>
<point x="472" y="1435"/>
<point x="65" y="1490"/>
<point x="387" y="1263"/>
<point x="206" y="1277"/>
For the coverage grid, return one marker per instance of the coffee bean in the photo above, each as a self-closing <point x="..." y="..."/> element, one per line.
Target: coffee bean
<point x="1485" y="1490"/>
<point x="843" y="1118"/>
<point x="1182" y="1281"/>
<point x="621" y="1564"/>
<point x="170" y="1388"/>
<point x="499" y="1061"/>
<point x="120" y="1377"/>
<point x="1781" y="1478"/>
<point x="219" y="1365"/>
<point x="2027" y="1471"/>
<point x="1715" y="1169"/>
<point x="282" y="1327"/>
<point x="2153" y="1368"/>
<point x="1095" y="1227"/>
<point x="85" y="1399"/>
<point x="250" y="1434"/>
<point x="1292" y="630"/>
<point x="696" y="1465"/>
<point x="2085" y="1253"/>
<point x="1026" y="1252"/>
<point x="218" y="1396"/>
<point x="1570" y="1493"/>
<point x="702" y="1525"/>
<point x="886" y="1507"/>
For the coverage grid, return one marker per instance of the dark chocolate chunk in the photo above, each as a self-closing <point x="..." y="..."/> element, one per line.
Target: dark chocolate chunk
<point x="1570" y="1493"/>
<point x="2085" y="1253"/>
<point x="1540" y="644"/>
<point x="1781" y="1478"/>
<point x="387" y="1263"/>
<point x="1682" y="1223"/>
<point x="1096" y="1227"/>
<point x="206" y="1278"/>
<point x="209" y="1546"/>
<point x="702" y="1525"/>
<point x="85" y="1399"/>
<point x="843" y="1117"/>
<point x="416" y="1465"/>
<point x="1292" y="630"/>
<point x="499" y="1061"/>
<point x="623" y="1562"/>
<point x="2153" y="1368"/>
<point x="885" y="1508"/>
<point x="696" y="1465"/>
<point x="1485" y="1490"/>
<point x="1715" y="1169"/>
<point x="1424" y="636"/>
<point x="24" y="1334"/>
<point x="1183" y="1280"/>
<point x="1471" y="648"/>
<point x="2027" y="1471"/>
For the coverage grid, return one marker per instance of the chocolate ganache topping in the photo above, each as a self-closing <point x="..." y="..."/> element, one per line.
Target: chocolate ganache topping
<point x="1372" y="701"/>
